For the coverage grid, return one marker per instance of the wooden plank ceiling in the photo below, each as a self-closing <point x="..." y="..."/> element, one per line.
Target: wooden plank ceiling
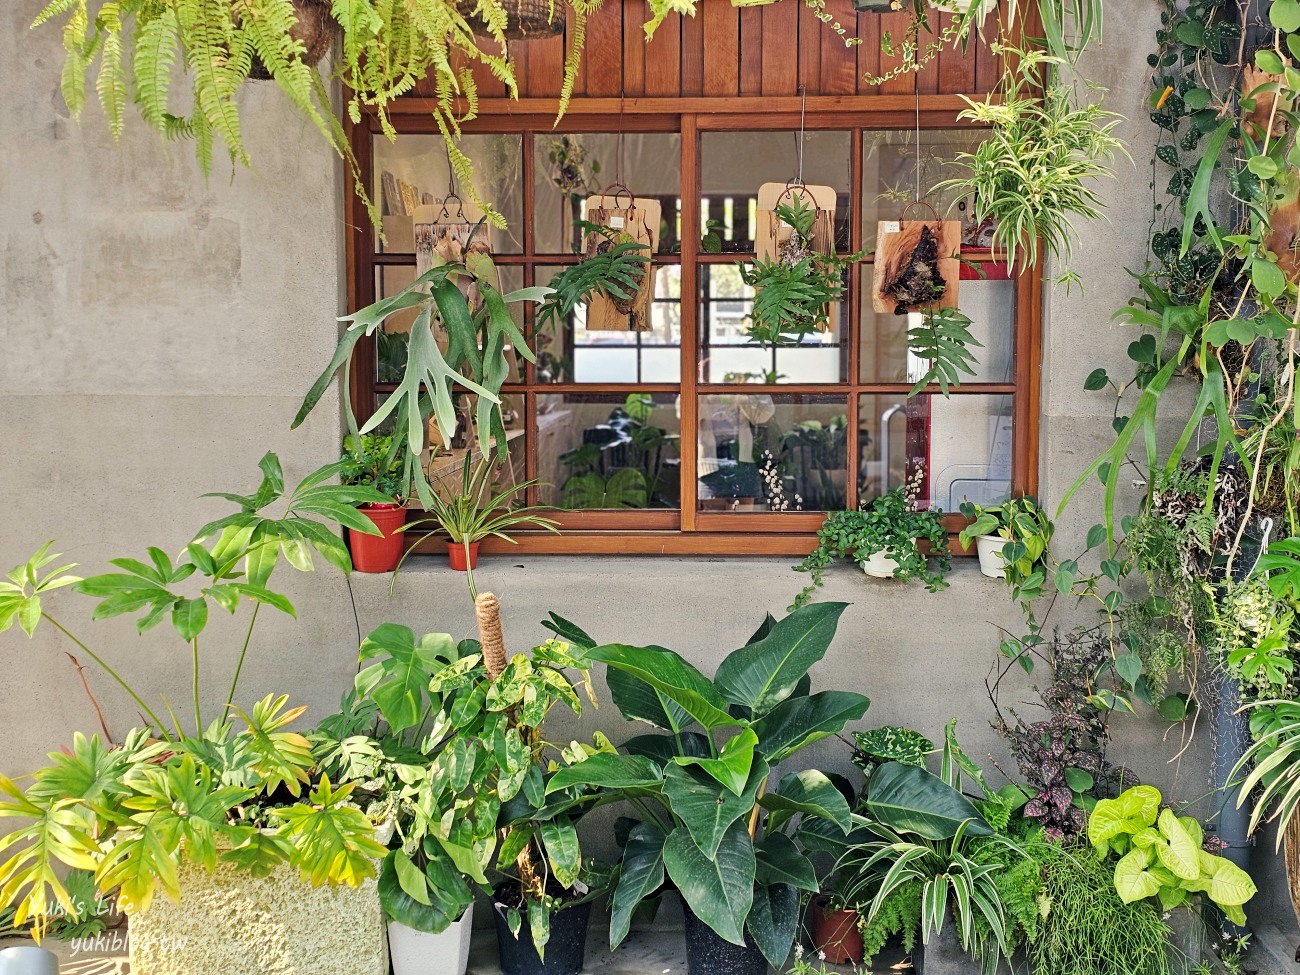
<point x="724" y="51"/>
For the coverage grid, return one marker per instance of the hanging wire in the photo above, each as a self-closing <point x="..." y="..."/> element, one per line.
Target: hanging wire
<point x="917" y="146"/>
<point x="803" y="131"/>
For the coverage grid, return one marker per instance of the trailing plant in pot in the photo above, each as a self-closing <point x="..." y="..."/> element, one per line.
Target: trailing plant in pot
<point x="1012" y="540"/>
<point x="709" y="825"/>
<point x="882" y="537"/>
<point x="242" y="791"/>
<point x="376" y="461"/>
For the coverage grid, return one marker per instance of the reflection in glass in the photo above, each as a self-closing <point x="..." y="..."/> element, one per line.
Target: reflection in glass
<point x="962" y="446"/>
<point x="991" y="306"/>
<point x="734" y="164"/>
<point x="890" y="162"/>
<point x="608" y="452"/>
<point x="570" y="167"/>
<point x="569" y="352"/>
<point x="727" y="354"/>
<point x="413" y="171"/>
<point x="392" y="341"/>
<point x="768" y="452"/>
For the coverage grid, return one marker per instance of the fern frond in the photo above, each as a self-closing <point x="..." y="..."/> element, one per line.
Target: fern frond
<point x="152" y="62"/>
<point x="111" y="81"/>
<point x="72" y="82"/>
<point x="57" y="8"/>
<point x="943" y="338"/>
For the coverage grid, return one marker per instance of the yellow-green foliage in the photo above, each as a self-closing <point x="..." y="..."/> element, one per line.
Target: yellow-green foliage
<point x="384" y="48"/>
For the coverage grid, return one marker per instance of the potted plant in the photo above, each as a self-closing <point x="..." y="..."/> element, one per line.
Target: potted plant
<point x="711" y="828"/>
<point x="882" y="536"/>
<point x="452" y="734"/>
<point x="234" y="814"/>
<point x="376" y="461"/>
<point x="1014" y="535"/>
<point x="479" y="509"/>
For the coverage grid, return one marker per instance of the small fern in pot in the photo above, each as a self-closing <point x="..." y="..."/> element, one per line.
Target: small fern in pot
<point x="891" y="527"/>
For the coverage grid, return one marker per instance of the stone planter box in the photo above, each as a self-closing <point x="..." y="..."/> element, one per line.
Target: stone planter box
<point x="234" y="924"/>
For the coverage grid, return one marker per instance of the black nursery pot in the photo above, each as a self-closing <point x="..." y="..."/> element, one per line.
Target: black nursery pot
<point x="565" y="952"/>
<point x="708" y="954"/>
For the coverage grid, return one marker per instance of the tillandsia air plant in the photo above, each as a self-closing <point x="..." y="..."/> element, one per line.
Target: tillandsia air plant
<point x="241" y="790"/>
<point x="794" y="291"/>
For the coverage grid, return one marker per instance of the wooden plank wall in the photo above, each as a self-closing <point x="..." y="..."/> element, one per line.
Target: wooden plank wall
<point x="724" y="51"/>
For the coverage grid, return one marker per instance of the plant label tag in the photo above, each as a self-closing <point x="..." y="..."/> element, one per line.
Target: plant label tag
<point x="890" y="226"/>
<point x="581" y="888"/>
<point x="616" y="223"/>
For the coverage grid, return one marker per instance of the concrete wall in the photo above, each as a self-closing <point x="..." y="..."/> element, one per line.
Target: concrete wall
<point x="157" y="332"/>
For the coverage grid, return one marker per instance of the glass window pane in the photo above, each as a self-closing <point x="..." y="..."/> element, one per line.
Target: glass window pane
<point x="733" y="165"/>
<point x="765" y="452"/>
<point x="990" y="304"/>
<point x="572" y="353"/>
<point x="728" y="355"/>
<point x="617" y="452"/>
<point x="569" y="167"/>
<point x="412" y="171"/>
<point x="891" y="159"/>
<point x="391" y="341"/>
<point x="962" y="445"/>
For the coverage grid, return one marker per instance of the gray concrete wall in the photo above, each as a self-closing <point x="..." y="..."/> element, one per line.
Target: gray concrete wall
<point x="157" y="332"/>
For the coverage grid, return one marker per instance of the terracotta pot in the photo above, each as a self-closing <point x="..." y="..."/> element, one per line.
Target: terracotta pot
<point x="315" y="29"/>
<point x="374" y="553"/>
<point x="456" y="555"/>
<point x="835" y="932"/>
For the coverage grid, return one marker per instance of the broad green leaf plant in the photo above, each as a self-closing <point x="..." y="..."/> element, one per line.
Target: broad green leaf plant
<point x="241" y="789"/>
<point x="709" y="824"/>
<point x="1162" y="855"/>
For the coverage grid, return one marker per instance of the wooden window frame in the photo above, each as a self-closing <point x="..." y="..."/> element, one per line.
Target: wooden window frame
<point x="688" y="531"/>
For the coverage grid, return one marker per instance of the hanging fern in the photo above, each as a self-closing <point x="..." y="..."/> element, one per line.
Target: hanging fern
<point x="383" y="50"/>
<point x="943" y="338"/>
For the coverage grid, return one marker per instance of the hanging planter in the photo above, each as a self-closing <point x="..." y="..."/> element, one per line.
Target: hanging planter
<point x="314" y="30"/>
<point x="525" y="19"/>
<point x="917" y="263"/>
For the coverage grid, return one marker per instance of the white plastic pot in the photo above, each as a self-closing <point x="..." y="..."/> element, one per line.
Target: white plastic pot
<point x="879" y="566"/>
<point x="990" y="551"/>
<point x="961" y="6"/>
<point x="421" y="953"/>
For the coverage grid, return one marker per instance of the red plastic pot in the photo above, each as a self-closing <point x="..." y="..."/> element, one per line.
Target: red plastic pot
<point x="835" y="933"/>
<point x="456" y="555"/>
<point x="374" y="553"/>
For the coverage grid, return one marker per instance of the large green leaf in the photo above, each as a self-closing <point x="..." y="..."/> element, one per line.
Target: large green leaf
<point x="630" y="774"/>
<point x="638" y="701"/>
<point x="446" y="890"/>
<point x="1230" y="886"/>
<point x="732" y="766"/>
<point x="780" y="861"/>
<point x="800" y="721"/>
<point x="1133" y="881"/>
<point x="1130" y="812"/>
<point x="641" y="875"/>
<point x="812" y="793"/>
<point x="763" y="674"/>
<point x="720" y="889"/>
<point x="773" y="921"/>
<point x="663" y="749"/>
<point x="668" y="672"/>
<point x="1179" y="853"/>
<point x="706" y="808"/>
<point x="560" y="839"/>
<point x="399" y="682"/>
<point x="913" y="800"/>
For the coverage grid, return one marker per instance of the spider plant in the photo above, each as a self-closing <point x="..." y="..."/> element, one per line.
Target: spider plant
<point x="918" y="833"/>
<point x="1034" y="173"/>
<point x="480" y="509"/>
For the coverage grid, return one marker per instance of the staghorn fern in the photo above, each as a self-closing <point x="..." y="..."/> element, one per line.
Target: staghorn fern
<point x="384" y="49"/>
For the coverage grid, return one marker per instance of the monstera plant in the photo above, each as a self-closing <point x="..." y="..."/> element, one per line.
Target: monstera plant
<point x="711" y="823"/>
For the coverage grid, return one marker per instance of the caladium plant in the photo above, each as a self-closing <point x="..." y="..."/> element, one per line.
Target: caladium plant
<point x="712" y="826"/>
